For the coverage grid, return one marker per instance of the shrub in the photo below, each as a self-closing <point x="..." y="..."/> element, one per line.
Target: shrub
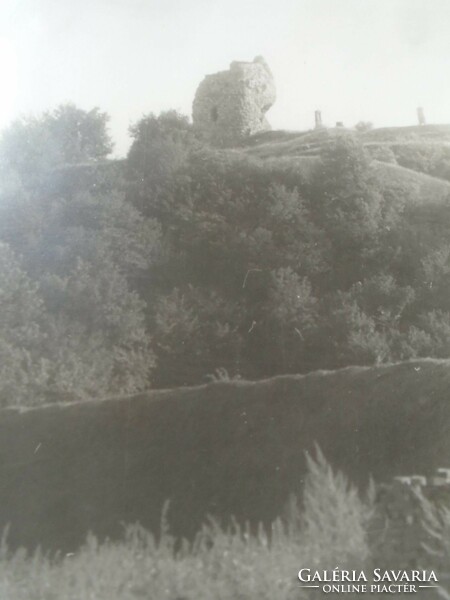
<point x="382" y="152"/>
<point x="335" y="518"/>
<point x="363" y="126"/>
<point x="221" y="564"/>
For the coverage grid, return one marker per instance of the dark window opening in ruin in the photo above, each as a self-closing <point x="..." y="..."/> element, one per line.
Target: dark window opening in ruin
<point x="214" y="114"/>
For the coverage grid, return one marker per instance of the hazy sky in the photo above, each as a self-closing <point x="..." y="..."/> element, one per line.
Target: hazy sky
<point x="374" y="60"/>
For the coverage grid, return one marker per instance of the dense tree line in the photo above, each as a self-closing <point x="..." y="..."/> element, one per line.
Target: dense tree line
<point x="185" y="263"/>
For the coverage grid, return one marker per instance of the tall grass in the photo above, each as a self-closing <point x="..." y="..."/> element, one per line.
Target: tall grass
<point x="326" y="530"/>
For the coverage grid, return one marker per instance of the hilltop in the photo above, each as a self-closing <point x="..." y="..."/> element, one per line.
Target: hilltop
<point x="307" y="143"/>
<point x="299" y="152"/>
<point x="387" y="146"/>
<point x="285" y="253"/>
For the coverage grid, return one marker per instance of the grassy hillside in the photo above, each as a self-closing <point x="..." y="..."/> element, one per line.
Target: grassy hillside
<point x="276" y="143"/>
<point x="419" y="188"/>
<point x="303" y="149"/>
<point x="293" y="157"/>
<point x="283" y="143"/>
<point x="234" y="448"/>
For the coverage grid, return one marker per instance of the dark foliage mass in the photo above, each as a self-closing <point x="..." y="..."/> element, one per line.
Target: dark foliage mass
<point x="184" y="263"/>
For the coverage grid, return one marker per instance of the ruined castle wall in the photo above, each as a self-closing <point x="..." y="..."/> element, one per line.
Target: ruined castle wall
<point x="231" y="105"/>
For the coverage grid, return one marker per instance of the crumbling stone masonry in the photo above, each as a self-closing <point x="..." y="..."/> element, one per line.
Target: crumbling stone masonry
<point x="231" y="105"/>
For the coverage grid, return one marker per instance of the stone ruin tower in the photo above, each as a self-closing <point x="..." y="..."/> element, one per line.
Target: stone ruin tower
<point x="231" y="105"/>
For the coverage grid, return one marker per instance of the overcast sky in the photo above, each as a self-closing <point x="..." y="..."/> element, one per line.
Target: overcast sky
<point x="355" y="60"/>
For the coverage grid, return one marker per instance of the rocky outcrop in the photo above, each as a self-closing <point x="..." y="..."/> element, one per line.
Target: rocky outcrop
<point x="232" y="105"/>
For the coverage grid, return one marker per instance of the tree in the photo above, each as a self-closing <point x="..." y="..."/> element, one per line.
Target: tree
<point x="52" y="233"/>
<point x="98" y="344"/>
<point x="347" y="197"/>
<point x="283" y="324"/>
<point x="81" y="135"/>
<point x="195" y="333"/>
<point x="431" y="334"/>
<point x="335" y="518"/>
<point x="348" y="204"/>
<point x="84" y="254"/>
<point x="368" y="323"/>
<point x="67" y="135"/>
<point x="161" y="145"/>
<point x="22" y="318"/>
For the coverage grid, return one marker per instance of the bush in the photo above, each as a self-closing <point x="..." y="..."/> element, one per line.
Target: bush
<point x="335" y="518"/>
<point x="433" y="159"/>
<point x="220" y="564"/>
<point x="383" y="153"/>
<point x="363" y="126"/>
